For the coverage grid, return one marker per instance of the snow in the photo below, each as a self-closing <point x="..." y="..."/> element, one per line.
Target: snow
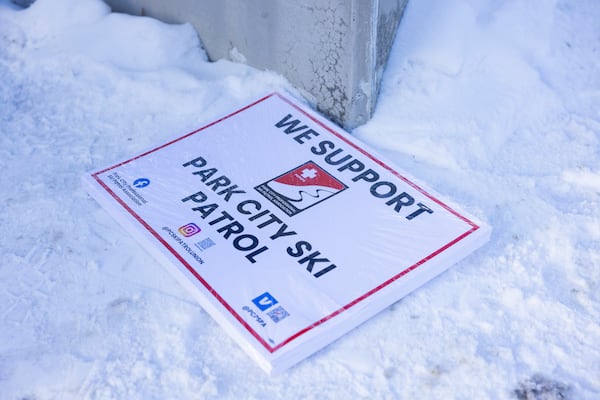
<point x="495" y="104"/>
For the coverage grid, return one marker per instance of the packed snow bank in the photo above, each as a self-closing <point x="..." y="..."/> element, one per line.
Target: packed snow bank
<point x="492" y="103"/>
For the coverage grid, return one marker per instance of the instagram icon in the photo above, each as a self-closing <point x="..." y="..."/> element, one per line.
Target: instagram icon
<point x="188" y="230"/>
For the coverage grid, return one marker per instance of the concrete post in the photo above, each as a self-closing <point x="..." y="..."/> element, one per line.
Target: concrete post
<point x="333" y="51"/>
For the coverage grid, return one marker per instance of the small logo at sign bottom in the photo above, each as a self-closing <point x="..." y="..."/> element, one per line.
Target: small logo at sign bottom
<point x="204" y="244"/>
<point x="277" y="314"/>
<point x="141" y="183"/>
<point x="264" y="301"/>
<point x="188" y="230"/>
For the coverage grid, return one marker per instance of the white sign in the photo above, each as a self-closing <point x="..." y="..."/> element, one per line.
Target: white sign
<point x="286" y="229"/>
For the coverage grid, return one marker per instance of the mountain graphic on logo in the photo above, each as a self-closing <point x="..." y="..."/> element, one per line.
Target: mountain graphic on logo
<point x="306" y="184"/>
<point x="301" y="188"/>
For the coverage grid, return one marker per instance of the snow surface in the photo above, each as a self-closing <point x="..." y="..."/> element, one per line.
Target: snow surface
<point x="495" y="104"/>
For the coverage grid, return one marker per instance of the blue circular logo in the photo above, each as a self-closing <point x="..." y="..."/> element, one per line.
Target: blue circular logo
<point x="141" y="183"/>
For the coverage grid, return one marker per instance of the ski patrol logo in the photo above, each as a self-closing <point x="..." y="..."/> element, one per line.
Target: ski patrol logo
<point x="301" y="188"/>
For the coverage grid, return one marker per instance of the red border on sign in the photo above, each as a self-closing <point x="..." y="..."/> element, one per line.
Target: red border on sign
<point x="473" y="227"/>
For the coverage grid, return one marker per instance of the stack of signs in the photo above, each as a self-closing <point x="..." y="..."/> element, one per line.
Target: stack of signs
<point x="286" y="229"/>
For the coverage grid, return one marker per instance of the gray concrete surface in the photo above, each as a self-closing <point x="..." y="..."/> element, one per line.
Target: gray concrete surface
<point x="333" y="51"/>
